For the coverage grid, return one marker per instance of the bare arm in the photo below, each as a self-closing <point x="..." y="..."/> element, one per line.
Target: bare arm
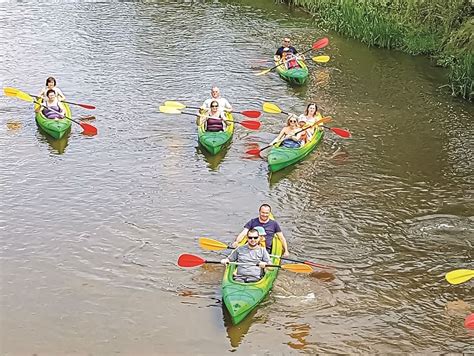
<point x="239" y="238"/>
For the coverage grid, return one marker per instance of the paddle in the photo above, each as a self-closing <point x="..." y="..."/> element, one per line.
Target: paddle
<point x="253" y="114"/>
<point x="323" y="42"/>
<point x="188" y="260"/>
<point x="257" y="151"/>
<point x="459" y="276"/>
<point x="321" y="59"/>
<point x="13" y="91"/>
<point x="469" y="321"/>
<point x="275" y="109"/>
<point x="214" y="245"/>
<point x="249" y="124"/>
<point x="88" y="128"/>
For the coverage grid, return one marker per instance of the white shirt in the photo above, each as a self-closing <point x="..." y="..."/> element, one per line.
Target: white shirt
<point x="223" y="103"/>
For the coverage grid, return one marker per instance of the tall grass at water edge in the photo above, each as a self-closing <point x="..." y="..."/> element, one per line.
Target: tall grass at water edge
<point x="441" y="28"/>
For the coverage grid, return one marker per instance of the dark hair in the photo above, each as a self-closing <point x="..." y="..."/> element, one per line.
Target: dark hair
<point x="50" y="79"/>
<point x="307" y="108"/>
<point x="50" y="91"/>
<point x="265" y="204"/>
<point x="212" y="102"/>
<point x="253" y="231"/>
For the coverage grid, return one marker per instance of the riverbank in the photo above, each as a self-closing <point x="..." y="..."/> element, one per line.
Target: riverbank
<point x="439" y="28"/>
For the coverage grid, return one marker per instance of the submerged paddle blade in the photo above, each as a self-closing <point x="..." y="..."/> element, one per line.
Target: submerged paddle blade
<point x="169" y="110"/>
<point x="251" y="125"/>
<point x="271" y="108"/>
<point x="88" y="129"/>
<point x="340" y="132"/>
<point x="459" y="276"/>
<point x="263" y="72"/>
<point x="253" y="114"/>
<point x="297" y="268"/>
<point x="211" y="245"/>
<point x="255" y="152"/>
<point x="323" y="42"/>
<point x="469" y="321"/>
<point x="174" y="104"/>
<point x="321" y="59"/>
<point x="188" y="260"/>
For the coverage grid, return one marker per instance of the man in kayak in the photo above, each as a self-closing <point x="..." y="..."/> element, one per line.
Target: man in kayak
<point x="224" y="105"/>
<point x="270" y="226"/>
<point x="286" y="45"/>
<point x="253" y="255"/>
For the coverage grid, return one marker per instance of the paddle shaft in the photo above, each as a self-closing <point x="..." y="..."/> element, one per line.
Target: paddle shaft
<point x="196" y="107"/>
<point x="208" y="117"/>
<point x="57" y="112"/>
<point x="85" y="106"/>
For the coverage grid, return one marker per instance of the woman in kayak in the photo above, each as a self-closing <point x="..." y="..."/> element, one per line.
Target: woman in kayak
<point x="290" y="134"/>
<point x="311" y="115"/>
<point x="253" y="255"/>
<point x="215" y="120"/>
<point x="51" y="85"/>
<point x="52" y="108"/>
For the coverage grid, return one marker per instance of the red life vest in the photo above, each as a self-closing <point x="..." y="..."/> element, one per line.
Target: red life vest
<point x="214" y="124"/>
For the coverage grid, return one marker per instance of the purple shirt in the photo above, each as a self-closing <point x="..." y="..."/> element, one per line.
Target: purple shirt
<point x="271" y="227"/>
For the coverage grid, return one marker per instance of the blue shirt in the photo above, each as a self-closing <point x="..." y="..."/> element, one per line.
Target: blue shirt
<point x="271" y="228"/>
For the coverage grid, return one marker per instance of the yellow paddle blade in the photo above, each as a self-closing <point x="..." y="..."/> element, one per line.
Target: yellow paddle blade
<point x="271" y="108"/>
<point x="10" y="91"/>
<point x="263" y="72"/>
<point x="321" y="59"/>
<point x="459" y="276"/>
<point x="211" y="245"/>
<point x="169" y="110"/>
<point x="175" y="104"/>
<point x="18" y="94"/>
<point x="297" y="268"/>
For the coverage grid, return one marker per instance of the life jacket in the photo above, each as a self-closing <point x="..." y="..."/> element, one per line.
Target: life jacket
<point x="214" y="124"/>
<point x="49" y="113"/>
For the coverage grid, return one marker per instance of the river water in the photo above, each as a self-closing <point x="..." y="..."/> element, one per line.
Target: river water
<point x="91" y="227"/>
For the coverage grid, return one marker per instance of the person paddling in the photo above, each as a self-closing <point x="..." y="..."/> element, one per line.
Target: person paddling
<point x="51" y="85"/>
<point x="214" y="120"/>
<point x="52" y="107"/>
<point x="290" y="135"/>
<point x="310" y="116"/>
<point x="253" y="255"/>
<point x="286" y="45"/>
<point x="270" y="226"/>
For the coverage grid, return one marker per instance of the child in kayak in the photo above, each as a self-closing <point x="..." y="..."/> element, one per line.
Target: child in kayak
<point x="51" y="85"/>
<point x="254" y="257"/>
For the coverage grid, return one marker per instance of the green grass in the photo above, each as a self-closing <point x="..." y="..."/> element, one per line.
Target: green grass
<point x="441" y="28"/>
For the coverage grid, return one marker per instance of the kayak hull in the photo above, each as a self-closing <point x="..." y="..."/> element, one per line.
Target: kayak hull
<point x="282" y="157"/>
<point x="213" y="142"/>
<point x="297" y="76"/>
<point x="55" y="128"/>
<point x="241" y="298"/>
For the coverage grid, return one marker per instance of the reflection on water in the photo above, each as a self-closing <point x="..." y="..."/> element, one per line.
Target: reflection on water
<point x="55" y="146"/>
<point x="213" y="161"/>
<point x="391" y="208"/>
<point x="237" y="333"/>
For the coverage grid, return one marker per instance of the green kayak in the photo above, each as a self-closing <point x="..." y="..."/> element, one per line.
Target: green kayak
<point x="54" y="128"/>
<point x="281" y="157"/>
<point x="214" y="141"/>
<point x="241" y="298"/>
<point x="296" y="76"/>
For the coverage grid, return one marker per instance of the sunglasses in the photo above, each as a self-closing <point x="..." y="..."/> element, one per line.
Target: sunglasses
<point x="214" y="106"/>
<point x="292" y="121"/>
<point x="253" y="237"/>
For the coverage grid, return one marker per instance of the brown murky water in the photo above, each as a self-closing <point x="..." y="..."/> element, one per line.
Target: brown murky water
<point x="91" y="227"/>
